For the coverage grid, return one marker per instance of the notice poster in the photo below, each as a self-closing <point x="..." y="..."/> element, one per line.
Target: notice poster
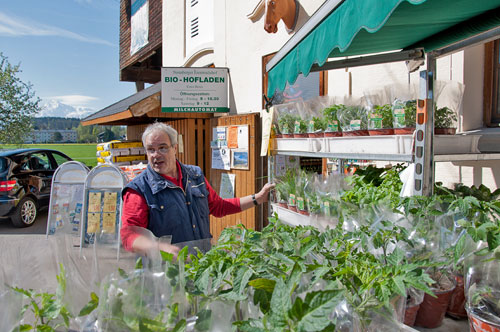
<point x="93" y="221"/>
<point x="108" y="222"/>
<point x="242" y="137"/>
<point x="109" y="202"/>
<point x="232" y="137"/>
<point x="94" y="202"/>
<point x="227" y="185"/>
<point x="221" y="159"/>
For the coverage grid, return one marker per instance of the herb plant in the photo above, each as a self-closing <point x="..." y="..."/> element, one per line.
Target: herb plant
<point x="444" y="118"/>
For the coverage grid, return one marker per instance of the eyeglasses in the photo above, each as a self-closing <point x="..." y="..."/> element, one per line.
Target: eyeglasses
<point x="161" y="150"/>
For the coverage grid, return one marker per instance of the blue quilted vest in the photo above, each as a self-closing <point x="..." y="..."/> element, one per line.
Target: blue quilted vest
<point x="183" y="214"/>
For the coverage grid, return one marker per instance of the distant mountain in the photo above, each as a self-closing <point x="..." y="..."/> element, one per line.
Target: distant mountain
<point x="54" y="108"/>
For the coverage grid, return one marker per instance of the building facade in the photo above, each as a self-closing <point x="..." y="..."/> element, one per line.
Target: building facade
<point x="49" y="136"/>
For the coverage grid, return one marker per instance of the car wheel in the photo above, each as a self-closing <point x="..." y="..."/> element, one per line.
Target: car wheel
<point x="25" y="213"/>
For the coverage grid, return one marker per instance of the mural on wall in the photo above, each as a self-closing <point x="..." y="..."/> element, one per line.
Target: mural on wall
<point x="139" y="26"/>
<point x="276" y="10"/>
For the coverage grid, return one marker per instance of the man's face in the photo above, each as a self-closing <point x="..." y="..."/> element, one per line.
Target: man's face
<point x="160" y="153"/>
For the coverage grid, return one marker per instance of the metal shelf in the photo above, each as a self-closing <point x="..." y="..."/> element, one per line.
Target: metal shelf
<point x="384" y="147"/>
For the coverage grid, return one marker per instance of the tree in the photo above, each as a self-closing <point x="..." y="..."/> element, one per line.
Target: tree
<point x="18" y="104"/>
<point x="58" y="137"/>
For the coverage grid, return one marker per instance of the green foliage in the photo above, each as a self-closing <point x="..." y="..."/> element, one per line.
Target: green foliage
<point x="286" y="123"/>
<point x="320" y="123"/>
<point x="385" y="111"/>
<point x="18" y="104"/>
<point x="444" y="117"/>
<point x="348" y="114"/>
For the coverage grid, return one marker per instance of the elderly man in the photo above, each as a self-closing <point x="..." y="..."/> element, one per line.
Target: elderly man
<point x="170" y="198"/>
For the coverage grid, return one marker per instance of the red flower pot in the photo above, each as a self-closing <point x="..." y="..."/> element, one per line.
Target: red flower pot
<point x="404" y="131"/>
<point x="376" y="132"/>
<point x="287" y="135"/>
<point x="303" y="135"/>
<point x="411" y="314"/>
<point x="304" y="212"/>
<point x="316" y="135"/>
<point x="456" y="307"/>
<point x="355" y="133"/>
<point x="431" y="312"/>
<point x="292" y="208"/>
<point x="479" y="324"/>
<point x="333" y="133"/>
<point x="283" y="205"/>
<point x="445" y="131"/>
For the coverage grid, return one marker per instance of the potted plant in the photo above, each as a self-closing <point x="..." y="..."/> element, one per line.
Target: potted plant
<point x="317" y="126"/>
<point x="353" y="120"/>
<point x="404" y="115"/>
<point x="286" y="123"/>
<point x="332" y="123"/>
<point x="380" y="121"/>
<point x="444" y="121"/>
<point x="300" y="128"/>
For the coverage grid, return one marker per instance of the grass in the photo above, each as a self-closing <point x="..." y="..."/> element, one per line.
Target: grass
<point x="85" y="153"/>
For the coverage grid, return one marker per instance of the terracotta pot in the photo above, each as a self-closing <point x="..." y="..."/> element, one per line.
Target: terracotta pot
<point x="333" y="133"/>
<point x="376" y="132"/>
<point x="456" y="307"/>
<point x="445" y="131"/>
<point x="283" y="205"/>
<point x="479" y="324"/>
<point x="304" y="212"/>
<point x="411" y="314"/>
<point x="315" y="135"/>
<point x="278" y="136"/>
<point x="404" y="131"/>
<point x="287" y="135"/>
<point x="355" y="133"/>
<point x="292" y="208"/>
<point x="431" y="312"/>
<point x="304" y="135"/>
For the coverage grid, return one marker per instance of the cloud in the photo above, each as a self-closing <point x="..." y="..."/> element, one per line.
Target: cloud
<point x="73" y="100"/>
<point x="12" y="26"/>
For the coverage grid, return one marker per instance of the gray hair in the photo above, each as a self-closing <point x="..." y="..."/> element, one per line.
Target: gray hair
<point x="160" y="126"/>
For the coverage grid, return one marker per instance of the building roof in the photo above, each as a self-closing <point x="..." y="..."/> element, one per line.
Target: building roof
<point x="122" y="106"/>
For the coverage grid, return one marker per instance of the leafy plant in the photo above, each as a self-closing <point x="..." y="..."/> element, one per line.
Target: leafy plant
<point x="320" y="124"/>
<point x="48" y="309"/>
<point x="300" y="126"/>
<point x="286" y="123"/>
<point x="444" y="118"/>
<point x="353" y="118"/>
<point x="404" y="113"/>
<point x="385" y="114"/>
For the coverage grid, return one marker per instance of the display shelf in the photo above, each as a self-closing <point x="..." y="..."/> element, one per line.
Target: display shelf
<point x="289" y="217"/>
<point x="386" y="147"/>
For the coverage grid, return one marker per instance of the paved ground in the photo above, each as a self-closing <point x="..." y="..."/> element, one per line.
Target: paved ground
<point x="39" y="227"/>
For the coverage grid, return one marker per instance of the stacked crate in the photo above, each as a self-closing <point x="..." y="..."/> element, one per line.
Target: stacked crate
<point x="121" y="153"/>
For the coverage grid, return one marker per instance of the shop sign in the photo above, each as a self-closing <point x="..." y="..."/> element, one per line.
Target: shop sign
<point x="203" y="90"/>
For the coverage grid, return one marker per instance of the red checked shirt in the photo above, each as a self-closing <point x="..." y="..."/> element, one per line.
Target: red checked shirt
<point x="135" y="210"/>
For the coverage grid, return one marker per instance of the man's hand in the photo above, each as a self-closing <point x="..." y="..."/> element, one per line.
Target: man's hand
<point x="263" y="195"/>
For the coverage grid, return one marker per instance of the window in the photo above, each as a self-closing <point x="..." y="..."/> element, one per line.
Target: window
<point x="492" y="84"/>
<point x="60" y="159"/>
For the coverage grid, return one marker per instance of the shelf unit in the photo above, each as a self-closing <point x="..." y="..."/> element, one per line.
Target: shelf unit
<point x="384" y="147"/>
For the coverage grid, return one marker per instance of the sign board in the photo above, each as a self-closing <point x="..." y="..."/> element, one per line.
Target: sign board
<point x="186" y="89"/>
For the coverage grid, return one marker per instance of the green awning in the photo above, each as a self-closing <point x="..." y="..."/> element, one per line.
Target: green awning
<point x="356" y="27"/>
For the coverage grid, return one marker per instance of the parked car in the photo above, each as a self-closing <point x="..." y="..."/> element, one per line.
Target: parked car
<point x="25" y="181"/>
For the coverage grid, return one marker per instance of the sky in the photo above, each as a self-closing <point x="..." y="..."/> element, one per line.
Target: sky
<point x="68" y="50"/>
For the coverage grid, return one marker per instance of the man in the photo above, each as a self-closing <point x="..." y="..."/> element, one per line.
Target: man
<point x="170" y="198"/>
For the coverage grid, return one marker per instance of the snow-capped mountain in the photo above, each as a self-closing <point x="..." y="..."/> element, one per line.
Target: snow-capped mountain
<point x="54" y="108"/>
